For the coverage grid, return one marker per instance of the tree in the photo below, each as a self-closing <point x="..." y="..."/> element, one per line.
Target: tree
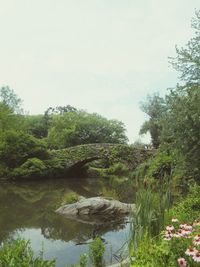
<point x="75" y="128"/>
<point x="187" y="60"/>
<point x="155" y="108"/>
<point x="9" y="99"/>
<point x="36" y="125"/>
<point x="181" y="126"/>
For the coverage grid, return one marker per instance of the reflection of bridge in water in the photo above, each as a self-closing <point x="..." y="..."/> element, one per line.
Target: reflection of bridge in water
<point x="78" y="156"/>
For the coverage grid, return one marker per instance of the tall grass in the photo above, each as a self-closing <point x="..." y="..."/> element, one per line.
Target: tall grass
<point x="149" y="216"/>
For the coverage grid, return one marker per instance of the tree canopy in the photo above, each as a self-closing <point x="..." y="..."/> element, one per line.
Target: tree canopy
<point x="176" y="120"/>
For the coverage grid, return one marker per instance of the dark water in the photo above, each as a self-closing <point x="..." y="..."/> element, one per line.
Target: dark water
<point x="27" y="210"/>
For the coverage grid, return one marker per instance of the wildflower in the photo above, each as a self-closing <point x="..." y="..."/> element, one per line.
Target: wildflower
<point x="182" y="262"/>
<point x="186" y="232"/>
<point x="191" y="251"/>
<point x="196" y="257"/>
<point x="174" y="220"/>
<point x="188" y="227"/>
<point x="196" y="242"/>
<point x="197" y="237"/>
<point x="170" y="228"/>
<point x="183" y="225"/>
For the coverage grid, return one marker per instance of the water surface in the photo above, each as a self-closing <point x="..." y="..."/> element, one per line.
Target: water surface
<point x="27" y="209"/>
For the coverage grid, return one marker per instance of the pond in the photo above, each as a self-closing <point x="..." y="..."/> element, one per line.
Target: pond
<point x="27" y="210"/>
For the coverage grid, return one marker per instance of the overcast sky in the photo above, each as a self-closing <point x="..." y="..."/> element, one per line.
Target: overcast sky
<point x="104" y="56"/>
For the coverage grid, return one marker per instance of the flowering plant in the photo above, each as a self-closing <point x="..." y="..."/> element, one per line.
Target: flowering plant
<point x="185" y="239"/>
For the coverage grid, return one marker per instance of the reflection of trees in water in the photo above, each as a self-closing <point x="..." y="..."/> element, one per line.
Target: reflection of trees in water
<point x="67" y="229"/>
<point x="32" y="205"/>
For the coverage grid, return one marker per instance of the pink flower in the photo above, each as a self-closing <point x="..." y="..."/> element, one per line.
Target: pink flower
<point x="186" y="232"/>
<point x="197" y="237"/>
<point x="170" y="228"/>
<point x="196" y="257"/>
<point x="196" y="242"/>
<point x="168" y="235"/>
<point x="182" y="262"/>
<point x="188" y="227"/>
<point x="183" y="225"/>
<point x="191" y="251"/>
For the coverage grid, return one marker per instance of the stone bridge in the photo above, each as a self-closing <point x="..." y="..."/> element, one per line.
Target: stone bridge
<point x="78" y="156"/>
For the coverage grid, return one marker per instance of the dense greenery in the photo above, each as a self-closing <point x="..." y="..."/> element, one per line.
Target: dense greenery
<point x="174" y="121"/>
<point x="26" y="141"/>
<point x="174" y="126"/>
<point x="19" y="253"/>
<point x="28" y="147"/>
<point x="162" y="250"/>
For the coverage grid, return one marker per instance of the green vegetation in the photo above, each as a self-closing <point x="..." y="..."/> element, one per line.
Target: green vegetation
<point x="70" y="198"/>
<point x="165" y="248"/>
<point x="26" y="141"/>
<point x="19" y="253"/>
<point x="174" y="171"/>
<point x="96" y="252"/>
<point x="168" y="184"/>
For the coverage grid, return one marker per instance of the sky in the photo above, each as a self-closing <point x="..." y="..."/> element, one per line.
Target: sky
<point x="102" y="56"/>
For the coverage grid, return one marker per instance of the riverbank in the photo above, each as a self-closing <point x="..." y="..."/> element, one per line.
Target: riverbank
<point x="181" y="226"/>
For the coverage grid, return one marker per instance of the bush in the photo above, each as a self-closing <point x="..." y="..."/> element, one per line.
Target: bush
<point x="32" y="166"/>
<point x="20" y="254"/>
<point x="189" y="208"/>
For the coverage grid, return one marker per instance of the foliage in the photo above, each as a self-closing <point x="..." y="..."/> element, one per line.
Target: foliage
<point x="9" y="99"/>
<point x="187" y="60"/>
<point x="188" y="208"/>
<point x="83" y="260"/>
<point x="32" y="167"/>
<point x="36" y="125"/>
<point x="164" y="249"/>
<point x="117" y="169"/>
<point x="175" y="120"/>
<point x="16" y="147"/>
<point x="19" y="253"/>
<point x="96" y="251"/>
<point x="149" y="216"/>
<point x="155" y="108"/>
<point x="75" y="128"/>
<point x="181" y="127"/>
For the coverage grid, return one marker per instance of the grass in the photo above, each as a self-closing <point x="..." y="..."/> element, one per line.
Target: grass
<point x="18" y="253"/>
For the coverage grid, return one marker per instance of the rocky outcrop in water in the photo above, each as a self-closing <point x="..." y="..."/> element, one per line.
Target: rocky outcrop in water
<point x="95" y="207"/>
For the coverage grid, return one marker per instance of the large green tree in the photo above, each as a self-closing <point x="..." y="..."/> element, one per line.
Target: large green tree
<point x="181" y="127"/>
<point x="187" y="60"/>
<point x="80" y="127"/>
<point x="155" y="108"/>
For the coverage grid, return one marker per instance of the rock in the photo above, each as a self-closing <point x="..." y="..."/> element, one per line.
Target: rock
<point x="95" y="206"/>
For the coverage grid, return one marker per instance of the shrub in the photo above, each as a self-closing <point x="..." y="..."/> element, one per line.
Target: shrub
<point x="32" y="166"/>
